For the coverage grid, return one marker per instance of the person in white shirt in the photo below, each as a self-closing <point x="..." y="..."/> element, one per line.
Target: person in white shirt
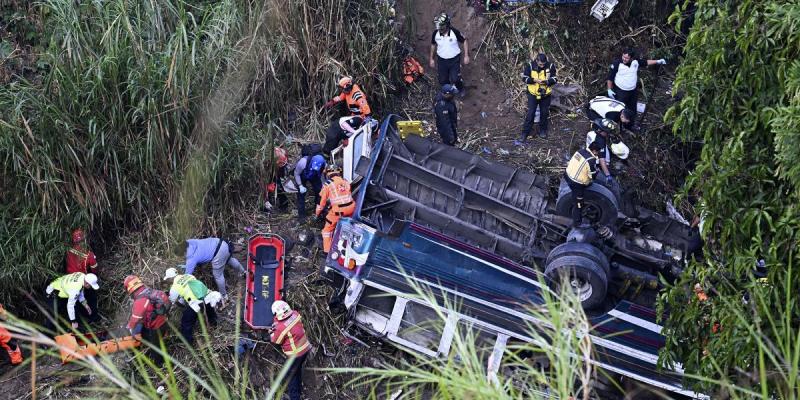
<point x="623" y="76"/>
<point x="446" y="44"/>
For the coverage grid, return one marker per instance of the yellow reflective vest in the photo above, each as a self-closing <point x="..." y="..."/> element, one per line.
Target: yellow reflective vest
<point x="581" y="167"/>
<point x="541" y="74"/>
<point x="181" y="286"/>
<point x="68" y="283"/>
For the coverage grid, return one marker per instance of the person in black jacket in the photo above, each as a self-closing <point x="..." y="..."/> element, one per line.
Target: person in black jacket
<point x="539" y="76"/>
<point x="447" y="115"/>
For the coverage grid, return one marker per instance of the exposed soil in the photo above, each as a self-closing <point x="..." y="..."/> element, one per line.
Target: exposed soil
<point x="491" y="116"/>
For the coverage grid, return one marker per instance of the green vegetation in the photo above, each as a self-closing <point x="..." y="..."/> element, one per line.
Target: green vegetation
<point x="740" y="82"/>
<point x="148" y="106"/>
<point x="554" y="365"/>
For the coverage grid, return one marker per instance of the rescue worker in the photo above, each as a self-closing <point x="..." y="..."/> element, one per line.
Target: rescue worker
<point x="80" y="258"/>
<point x="218" y="253"/>
<point x="351" y="94"/>
<point x="623" y="76"/>
<point x="539" y="76"/>
<point x="279" y="171"/>
<point x="446" y="44"/>
<point x="196" y="298"/>
<point x="447" y="115"/>
<point x="149" y="313"/>
<point x="600" y="135"/>
<point x="337" y="191"/>
<point x="579" y="175"/>
<point x="8" y="343"/>
<point x="309" y="169"/>
<point x="346" y="127"/>
<point x="288" y="332"/>
<point x="605" y="107"/>
<point x="69" y="290"/>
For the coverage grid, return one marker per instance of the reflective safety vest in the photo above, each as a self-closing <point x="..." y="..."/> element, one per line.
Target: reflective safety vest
<point x="189" y="288"/>
<point x="68" y="283"/>
<point x="581" y="167"/>
<point x="291" y="335"/>
<point x="339" y="191"/>
<point x="543" y="75"/>
<point x="356" y="101"/>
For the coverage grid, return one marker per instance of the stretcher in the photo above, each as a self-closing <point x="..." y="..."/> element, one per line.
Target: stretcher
<point x="72" y="348"/>
<point x="265" y="264"/>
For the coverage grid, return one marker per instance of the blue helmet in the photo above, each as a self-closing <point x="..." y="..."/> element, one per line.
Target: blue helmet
<point x="317" y="163"/>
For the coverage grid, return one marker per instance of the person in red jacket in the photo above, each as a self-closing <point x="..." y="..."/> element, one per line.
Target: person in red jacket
<point x="8" y="343"/>
<point x="81" y="259"/>
<point x="287" y="331"/>
<point x="148" y="314"/>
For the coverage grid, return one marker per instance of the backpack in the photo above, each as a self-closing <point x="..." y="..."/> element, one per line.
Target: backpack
<point x="160" y="303"/>
<point x="311" y="149"/>
<point x="198" y="289"/>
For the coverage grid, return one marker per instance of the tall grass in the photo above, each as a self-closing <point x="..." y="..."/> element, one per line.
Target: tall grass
<point x="124" y="124"/>
<point x="556" y="364"/>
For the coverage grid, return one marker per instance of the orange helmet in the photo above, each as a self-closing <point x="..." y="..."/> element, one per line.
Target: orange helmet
<point x="345" y="82"/>
<point x="78" y="236"/>
<point x="280" y="157"/>
<point x="132" y="283"/>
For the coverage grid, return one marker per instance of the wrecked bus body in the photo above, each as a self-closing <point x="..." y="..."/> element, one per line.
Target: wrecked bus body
<point x="486" y="236"/>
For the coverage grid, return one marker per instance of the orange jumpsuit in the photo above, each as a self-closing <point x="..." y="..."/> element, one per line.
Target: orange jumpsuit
<point x="356" y="102"/>
<point x="342" y="205"/>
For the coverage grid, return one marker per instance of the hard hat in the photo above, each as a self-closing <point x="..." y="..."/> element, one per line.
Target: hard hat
<point x="620" y="150"/>
<point x="3" y="314"/>
<point x="78" y="236"/>
<point x="281" y="310"/>
<point x="345" y="81"/>
<point x="132" y="283"/>
<point x="590" y="137"/>
<point x="449" y="89"/>
<point x="280" y="157"/>
<point x="171" y="273"/>
<point x="317" y="163"/>
<point x="605" y="124"/>
<point x="91" y="279"/>
<point x="442" y="20"/>
<point x="333" y="171"/>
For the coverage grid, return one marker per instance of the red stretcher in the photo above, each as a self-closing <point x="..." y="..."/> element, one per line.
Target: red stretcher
<point x="265" y="263"/>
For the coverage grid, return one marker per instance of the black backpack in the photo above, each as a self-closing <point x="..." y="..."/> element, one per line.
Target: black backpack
<point x="311" y="149"/>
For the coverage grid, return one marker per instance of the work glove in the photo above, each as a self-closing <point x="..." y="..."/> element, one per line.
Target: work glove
<point x="661" y="61"/>
<point x="303" y="189"/>
<point x="609" y="179"/>
<point x="329" y="104"/>
<point x="611" y="93"/>
<point x="74" y="325"/>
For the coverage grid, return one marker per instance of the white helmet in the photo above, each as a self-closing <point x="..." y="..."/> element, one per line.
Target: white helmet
<point x="590" y="137"/>
<point x="171" y="273"/>
<point x="281" y="310"/>
<point x="91" y="279"/>
<point x="620" y="150"/>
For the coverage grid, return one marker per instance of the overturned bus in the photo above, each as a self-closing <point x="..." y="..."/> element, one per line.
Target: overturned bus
<point x="485" y="236"/>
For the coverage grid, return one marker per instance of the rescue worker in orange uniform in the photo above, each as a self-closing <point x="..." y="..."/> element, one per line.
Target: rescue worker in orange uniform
<point x="148" y="314"/>
<point x="81" y="259"/>
<point x="287" y="331"/>
<point x="352" y="95"/>
<point x="8" y="343"/>
<point x="342" y="204"/>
